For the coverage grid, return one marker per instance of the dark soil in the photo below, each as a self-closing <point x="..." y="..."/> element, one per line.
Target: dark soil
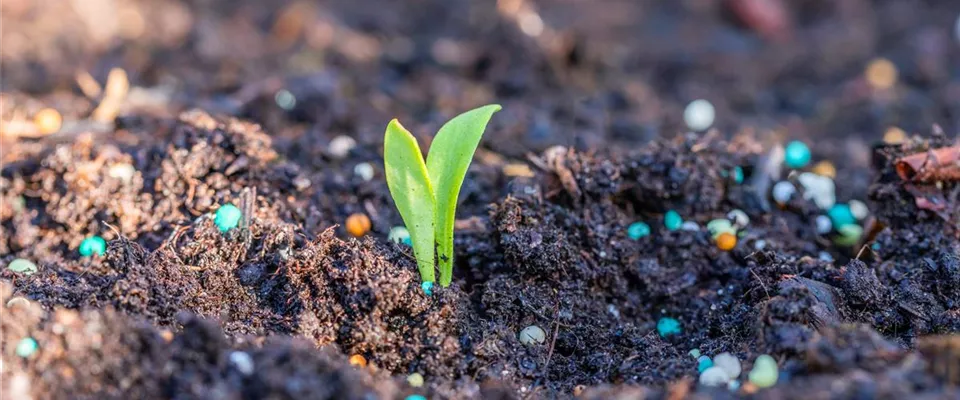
<point x="592" y="105"/>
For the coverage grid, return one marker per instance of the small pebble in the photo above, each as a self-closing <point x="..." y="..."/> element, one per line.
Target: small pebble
<point x="703" y="362"/>
<point x="242" y="362"/>
<point x="764" y="373"/>
<point x="881" y="73"/>
<point x="427" y="288"/>
<point x="849" y="235"/>
<point x="578" y="390"/>
<point x="796" y="155"/>
<point x="699" y="115"/>
<point x="364" y="171"/>
<point x="122" y="171"/>
<point x="726" y="241"/>
<point x="859" y="209"/>
<point x="718" y="226"/>
<point x="825" y="169"/>
<point x="819" y="189"/>
<point x="532" y="335"/>
<point x="18" y="302"/>
<point x="227" y="217"/>
<point x="740" y="219"/>
<point x="638" y="230"/>
<point x="729" y="363"/>
<point x="841" y="215"/>
<point x="667" y="326"/>
<point x="27" y="347"/>
<point x="415" y="379"/>
<point x="358" y="224"/>
<point x="824" y="225"/>
<point x="737" y="174"/>
<point x="529" y="23"/>
<point x="301" y="183"/>
<point x="48" y="121"/>
<point x="783" y="191"/>
<point x="341" y="145"/>
<point x="760" y="244"/>
<point x="895" y="135"/>
<point x="93" y="245"/>
<point x="713" y="376"/>
<point x="399" y="234"/>
<point x="19" y="387"/>
<point x="358" y="360"/>
<point x="733" y="385"/>
<point x="22" y="266"/>
<point x="690" y="226"/>
<point x="518" y="170"/>
<point x="285" y="99"/>
<point x="415" y="397"/>
<point x="695" y="353"/>
<point x="672" y="220"/>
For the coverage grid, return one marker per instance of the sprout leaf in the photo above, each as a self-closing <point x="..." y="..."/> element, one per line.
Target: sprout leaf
<point x="450" y="155"/>
<point x="411" y="191"/>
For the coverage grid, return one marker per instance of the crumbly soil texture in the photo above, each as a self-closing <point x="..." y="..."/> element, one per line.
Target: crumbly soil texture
<point x="246" y="102"/>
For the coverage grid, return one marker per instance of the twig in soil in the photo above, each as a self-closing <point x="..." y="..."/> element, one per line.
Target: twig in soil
<point x="191" y="192"/>
<point x="119" y="236"/>
<point x="704" y="142"/>
<point x="115" y="92"/>
<point x="912" y="311"/>
<point x="538" y="314"/>
<point x="88" y="85"/>
<point x="873" y="228"/>
<point x="248" y="199"/>
<point x="766" y="171"/>
<point x="554" y="160"/>
<point x="172" y="241"/>
<point x="546" y="365"/>
<point x="371" y="210"/>
<point x="115" y="230"/>
<point x="761" y="282"/>
<point x="128" y="255"/>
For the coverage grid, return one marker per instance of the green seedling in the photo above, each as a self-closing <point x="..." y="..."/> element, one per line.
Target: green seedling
<point x="426" y="193"/>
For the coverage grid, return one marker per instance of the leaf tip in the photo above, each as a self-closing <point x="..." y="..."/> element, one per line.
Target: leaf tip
<point x="493" y="107"/>
<point x="395" y="124"/>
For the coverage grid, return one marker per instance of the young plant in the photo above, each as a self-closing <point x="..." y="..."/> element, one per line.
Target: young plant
<point x="426" y="193"/>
